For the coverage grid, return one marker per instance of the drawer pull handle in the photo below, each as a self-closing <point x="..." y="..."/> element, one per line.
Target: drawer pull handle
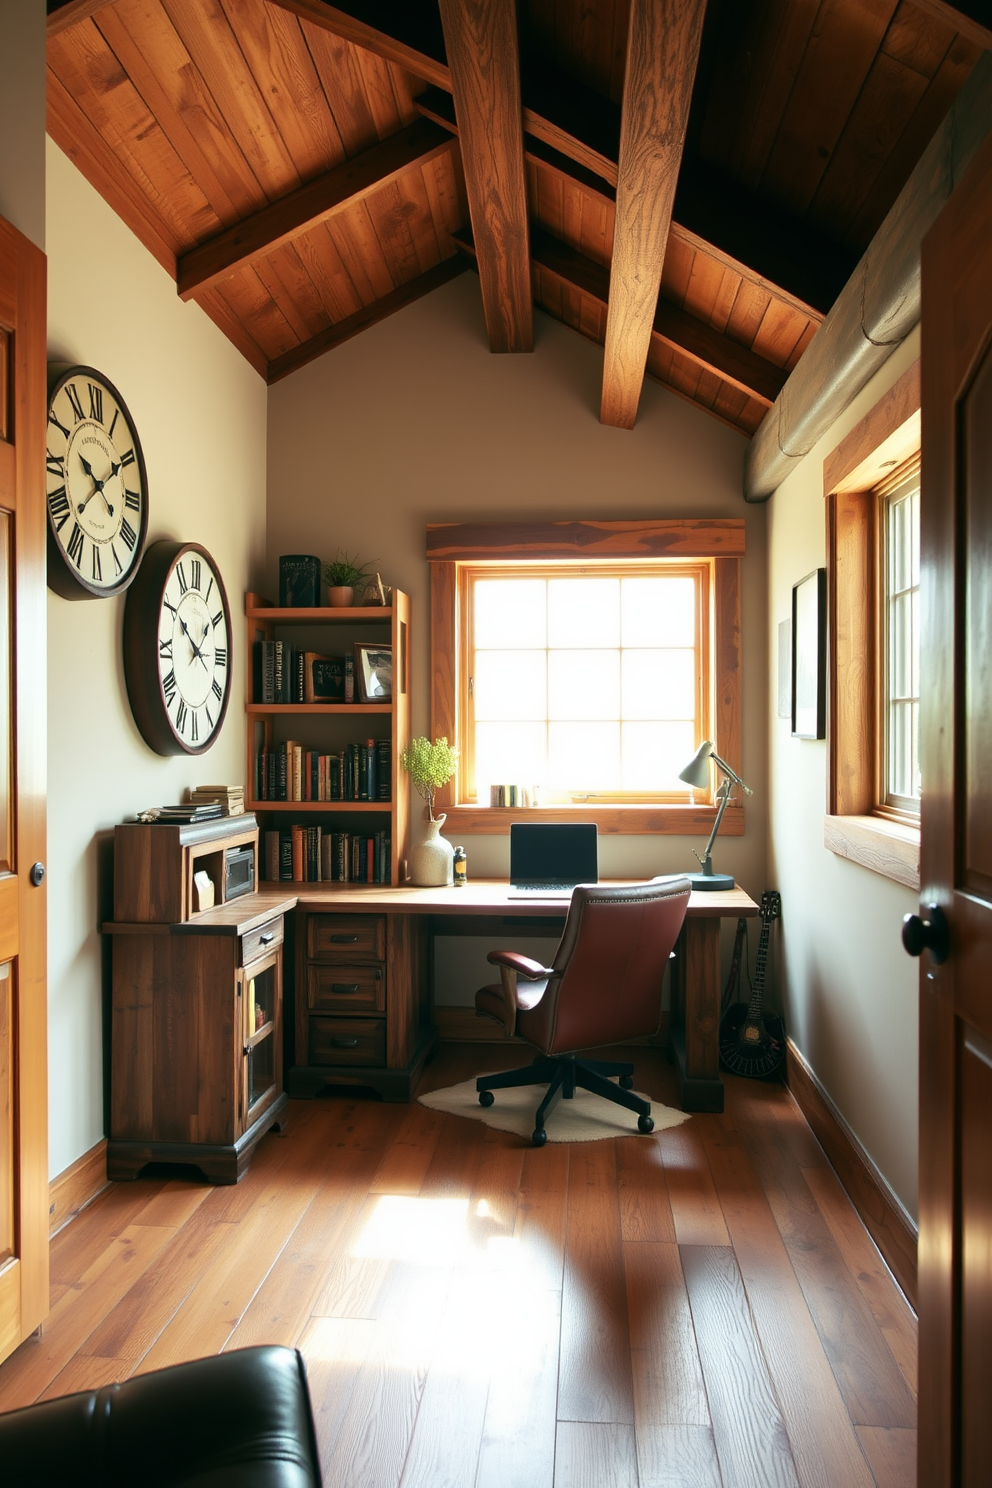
<point x="346" y="987"/>
<point x="267" y="939"/>
<point x="344" y="1043"/>
<point x="343" y="939"/>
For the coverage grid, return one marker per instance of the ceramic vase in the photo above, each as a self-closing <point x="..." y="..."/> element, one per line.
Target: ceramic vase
<point x="339" y="596"/>
<point x="431" y="860"/>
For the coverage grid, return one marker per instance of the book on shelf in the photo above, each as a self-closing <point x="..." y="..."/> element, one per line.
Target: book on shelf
<point x="310" y="854"/>
<point x="359" y="772"/>
<point x="299" y="580"/>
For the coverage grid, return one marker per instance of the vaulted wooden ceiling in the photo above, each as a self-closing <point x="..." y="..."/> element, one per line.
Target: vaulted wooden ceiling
<point x="688" y="184"/>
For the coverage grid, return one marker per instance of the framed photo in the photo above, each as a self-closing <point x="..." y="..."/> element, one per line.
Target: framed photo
<point x="323" y="678"/>
<point x="373" y="672"/>
<point x="809" y="656"/>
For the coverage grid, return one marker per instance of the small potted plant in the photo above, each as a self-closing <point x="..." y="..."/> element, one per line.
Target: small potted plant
<point x="343" y="575"/>
<point x="430" y="766"/>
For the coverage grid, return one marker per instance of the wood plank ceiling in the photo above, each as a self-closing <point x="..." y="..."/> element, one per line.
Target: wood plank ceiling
<point x="689" y="184"/>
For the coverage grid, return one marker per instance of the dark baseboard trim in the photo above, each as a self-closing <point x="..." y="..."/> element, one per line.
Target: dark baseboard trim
<point x="881" y="1213"/>
<point x="77" y="1186"/>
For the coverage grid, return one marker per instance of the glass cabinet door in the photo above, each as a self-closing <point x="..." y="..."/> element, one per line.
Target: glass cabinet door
<point x="261" y="996"/>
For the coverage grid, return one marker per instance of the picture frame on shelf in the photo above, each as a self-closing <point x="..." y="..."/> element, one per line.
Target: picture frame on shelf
<point x="373" y="672"/>
<point x="323" y="678"/>
<point x="809" y="656"/>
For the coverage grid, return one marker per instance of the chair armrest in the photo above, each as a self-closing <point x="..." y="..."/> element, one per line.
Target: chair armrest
<point x="523" y="965"/>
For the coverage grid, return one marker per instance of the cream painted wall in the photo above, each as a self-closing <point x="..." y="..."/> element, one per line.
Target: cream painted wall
<point x="22" y="117"/>
<point x="200" y="411"/>
<point x="850" y="990"/>
<point x="415" y="422"/>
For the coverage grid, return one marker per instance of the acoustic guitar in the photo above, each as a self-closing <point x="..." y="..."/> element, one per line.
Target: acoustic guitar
<point x="752" y="1042"/>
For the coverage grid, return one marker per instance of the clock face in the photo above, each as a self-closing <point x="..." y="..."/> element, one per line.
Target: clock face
<point x="194" y="649"/>
<point x="96" y="486"/>
<point x="177" y="648"/>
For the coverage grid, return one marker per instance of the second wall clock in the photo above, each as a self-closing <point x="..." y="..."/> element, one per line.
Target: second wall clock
<point x="177" y="648"/>
<point x="96" y="486"/>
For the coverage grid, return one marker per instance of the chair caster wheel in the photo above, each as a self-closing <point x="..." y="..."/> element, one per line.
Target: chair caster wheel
<point x="645" y="1124"/>
<point x="626" y="1082"/>
<point x="539" y="1137"/>
<point x="486" y="1098"/>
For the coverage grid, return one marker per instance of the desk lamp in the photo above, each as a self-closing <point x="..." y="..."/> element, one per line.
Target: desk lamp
<point x="697" y="774"/>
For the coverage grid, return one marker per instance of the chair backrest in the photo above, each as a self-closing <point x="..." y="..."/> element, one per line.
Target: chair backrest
<point x="609" y="966"/>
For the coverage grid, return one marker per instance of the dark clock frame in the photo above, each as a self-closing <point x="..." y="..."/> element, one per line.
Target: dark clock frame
<point x="64" y="580"/>
<point x="141" y="673"/>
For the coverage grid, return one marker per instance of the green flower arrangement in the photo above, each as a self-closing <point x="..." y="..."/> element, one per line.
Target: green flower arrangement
<point x="429" y="766"/>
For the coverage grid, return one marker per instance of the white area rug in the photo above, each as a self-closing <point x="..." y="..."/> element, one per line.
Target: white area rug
<point x="584" y="1118"/>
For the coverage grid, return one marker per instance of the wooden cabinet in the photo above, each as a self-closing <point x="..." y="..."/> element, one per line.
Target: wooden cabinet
<point x="196" y="1045"/>
<point x="362" y="1002"/>
<point x="196" y="1020"/>
<point x="328" y="729"/>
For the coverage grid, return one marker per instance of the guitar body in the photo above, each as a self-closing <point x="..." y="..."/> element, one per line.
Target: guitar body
<point x="752" y="1042"/>
<point x="752" y="1047"/>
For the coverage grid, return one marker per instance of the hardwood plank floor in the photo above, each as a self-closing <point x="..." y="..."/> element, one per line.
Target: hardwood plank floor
<point x="698" y="1308"/>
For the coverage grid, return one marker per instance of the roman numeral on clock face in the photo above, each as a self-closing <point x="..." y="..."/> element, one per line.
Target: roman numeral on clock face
<point x="55" y="464"/>
<point x="128" y="534"/>
<point x="220" y="656"/>
<point x="97" y="569"/>
<point x="181" y="711"/>
<point x="131" y="500"/>
<point x="58" y="503"/>
<point x="72" y="393"/>
<point x="169" y="687"/>
<point x="217" y="619"/>
<point x="53" y="419"/>
<point x="96" y="403"/>
<point x="75" y="548"/>
<point x="194" y="727"/>
<point x="195" y="567"/>
<point x="165" y="648"/>
<point x="215" y="689"/>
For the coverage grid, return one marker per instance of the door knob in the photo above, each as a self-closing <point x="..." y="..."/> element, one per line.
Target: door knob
<point x="933" y="935"/>
<point x="37" y="874"/>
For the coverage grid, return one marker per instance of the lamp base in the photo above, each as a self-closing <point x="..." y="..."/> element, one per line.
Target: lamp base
<point x="709" y="882"/>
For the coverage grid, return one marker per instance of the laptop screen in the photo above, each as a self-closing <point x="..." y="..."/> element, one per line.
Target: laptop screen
<point x="553" y="852"/>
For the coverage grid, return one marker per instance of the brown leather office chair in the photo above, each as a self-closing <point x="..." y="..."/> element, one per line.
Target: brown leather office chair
<point x="604" y="987"/>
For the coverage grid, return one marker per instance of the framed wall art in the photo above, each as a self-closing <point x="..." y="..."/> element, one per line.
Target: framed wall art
<point x="809" y="656"/>
<point x="373" y="672"/>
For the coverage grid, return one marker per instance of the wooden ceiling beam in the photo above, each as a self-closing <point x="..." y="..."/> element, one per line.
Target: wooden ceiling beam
<point x="662" y="52"/>
<point x="672" y="327"/>
<point x="483" y="56"/>
<point x="369" y="315"/>
<point x="302" y="209"/>
<point x="395" y="30"/>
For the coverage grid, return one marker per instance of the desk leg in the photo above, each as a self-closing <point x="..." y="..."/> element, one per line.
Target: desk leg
<point x="694" y="1027"/>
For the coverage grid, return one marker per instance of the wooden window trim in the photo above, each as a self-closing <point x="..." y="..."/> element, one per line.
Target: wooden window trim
<point x="854" y="827"/>
<point x="723" y="540"/>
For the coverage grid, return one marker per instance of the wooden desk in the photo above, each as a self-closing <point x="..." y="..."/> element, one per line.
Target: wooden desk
<point x="473" y="910"/>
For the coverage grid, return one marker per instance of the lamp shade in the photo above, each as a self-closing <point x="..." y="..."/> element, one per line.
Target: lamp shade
<point x="697" y="771"/>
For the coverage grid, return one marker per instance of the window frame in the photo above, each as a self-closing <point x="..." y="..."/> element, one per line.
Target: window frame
<point x="857" y="826"/>
<point x="453" y="545"/>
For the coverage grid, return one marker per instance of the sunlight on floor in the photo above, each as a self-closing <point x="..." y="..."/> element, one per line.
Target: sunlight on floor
<point x="435" y="1232"/>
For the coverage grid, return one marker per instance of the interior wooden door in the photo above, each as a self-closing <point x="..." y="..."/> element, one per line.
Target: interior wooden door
<point x="23" y="1045"/>
<point x="955" y="1256"/>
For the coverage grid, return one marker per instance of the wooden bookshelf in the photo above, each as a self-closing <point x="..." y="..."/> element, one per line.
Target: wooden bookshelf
<point x="328" y="727"/>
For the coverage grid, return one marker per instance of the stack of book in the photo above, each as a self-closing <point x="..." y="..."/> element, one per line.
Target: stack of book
<point x="230" y="798"/>
<point x="285" y="674"/>
<point x="316" y="855"/>
<point x="180" y="815"/>
<point x="360" y="772"/>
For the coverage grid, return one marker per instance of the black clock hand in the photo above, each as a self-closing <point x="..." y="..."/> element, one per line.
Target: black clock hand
<point x="196" y="650"/>
<point x="98" y="485"/>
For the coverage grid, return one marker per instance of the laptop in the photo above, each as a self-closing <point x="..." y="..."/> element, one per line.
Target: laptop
<point x="547" y="859"/>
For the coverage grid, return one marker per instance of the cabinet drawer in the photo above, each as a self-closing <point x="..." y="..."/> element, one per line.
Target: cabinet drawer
<point x="257" y="942"/>
<point x="347" y="1041"/>
<point x="345" y="989"/>
<point x="340" y="937"/>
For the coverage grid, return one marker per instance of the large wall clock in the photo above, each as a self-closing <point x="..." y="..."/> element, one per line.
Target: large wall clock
<point x="177" y="648"/>
<point x="96" y="486"/>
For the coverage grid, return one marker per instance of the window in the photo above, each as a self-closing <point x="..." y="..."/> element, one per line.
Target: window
<point x="584" y="663"/>
<point x="899" y="622"/>
<point x="871" y="485"/>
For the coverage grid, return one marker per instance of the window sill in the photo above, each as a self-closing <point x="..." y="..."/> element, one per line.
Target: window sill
<point x="886" y="847"/>
<point x="621" y="821"/>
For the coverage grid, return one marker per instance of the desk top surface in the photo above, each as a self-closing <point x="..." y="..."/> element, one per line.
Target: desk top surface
<point x="478" y="897"/>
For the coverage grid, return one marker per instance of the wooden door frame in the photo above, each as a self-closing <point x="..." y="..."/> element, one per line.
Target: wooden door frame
<point x="23" y="309"/>
<point x="955" y="316"/>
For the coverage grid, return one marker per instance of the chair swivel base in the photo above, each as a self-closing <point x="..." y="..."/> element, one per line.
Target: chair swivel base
<point x="562" y="1073"/>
